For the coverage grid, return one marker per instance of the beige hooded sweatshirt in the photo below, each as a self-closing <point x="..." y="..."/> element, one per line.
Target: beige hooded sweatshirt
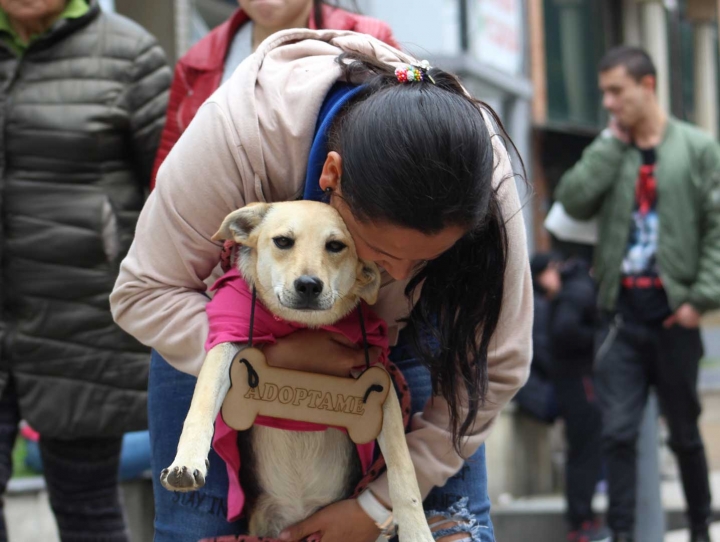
<point x="250" y="142"/>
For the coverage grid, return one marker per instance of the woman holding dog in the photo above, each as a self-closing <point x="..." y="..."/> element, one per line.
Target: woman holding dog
<point x="427" y="192"/>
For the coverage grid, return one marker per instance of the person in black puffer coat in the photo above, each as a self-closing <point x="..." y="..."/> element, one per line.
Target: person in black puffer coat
<point x="537" y="397"/>
<point x="560" y="383"/>
<point x="572" y="332"/>
<point x="82" y="103"/>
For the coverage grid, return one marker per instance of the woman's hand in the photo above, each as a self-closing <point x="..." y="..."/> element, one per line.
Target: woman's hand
<point x="318" y="351"/>
<point x="343" y="521"/>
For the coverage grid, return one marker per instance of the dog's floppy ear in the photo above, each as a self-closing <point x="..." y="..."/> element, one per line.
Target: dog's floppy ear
<point x="239" y="224"/>
<point x="367" y="283"/>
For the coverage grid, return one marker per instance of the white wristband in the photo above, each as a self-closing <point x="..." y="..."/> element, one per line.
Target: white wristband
<point x="382" y="517"/>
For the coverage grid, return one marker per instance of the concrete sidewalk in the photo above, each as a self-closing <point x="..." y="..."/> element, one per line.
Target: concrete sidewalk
<point x="542" y="518"/>
<point x="682" y="536"/>
<point x="29" y="519"/>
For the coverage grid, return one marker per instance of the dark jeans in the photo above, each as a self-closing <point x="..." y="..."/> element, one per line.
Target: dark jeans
<point x="188" y="517"/>
<point x="631" y="357"/>
<point x="583" y="431"/>
<point x="81" y="477"/>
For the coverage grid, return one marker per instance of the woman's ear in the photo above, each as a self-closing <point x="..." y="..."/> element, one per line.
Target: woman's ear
<point x="239" y="224"/>
<point x="331" y="172"/>
<point x="367" y="281"/>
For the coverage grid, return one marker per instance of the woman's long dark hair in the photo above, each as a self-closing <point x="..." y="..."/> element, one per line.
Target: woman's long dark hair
<point x="420" y="155"/>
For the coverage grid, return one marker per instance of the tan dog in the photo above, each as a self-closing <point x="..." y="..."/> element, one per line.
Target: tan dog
<point x="302" y="261"/>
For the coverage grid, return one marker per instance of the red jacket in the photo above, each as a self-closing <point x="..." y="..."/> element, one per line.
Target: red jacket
<point x="199" y="72"/>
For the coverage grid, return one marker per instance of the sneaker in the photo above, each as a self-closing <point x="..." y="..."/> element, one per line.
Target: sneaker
<point x="590" y="531"/>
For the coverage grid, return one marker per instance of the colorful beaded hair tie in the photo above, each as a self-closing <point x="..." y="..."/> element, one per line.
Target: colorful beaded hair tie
<point x="410" y="73"/>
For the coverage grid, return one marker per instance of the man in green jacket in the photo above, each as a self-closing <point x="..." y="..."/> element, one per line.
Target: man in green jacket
<point x="654" y="184"/>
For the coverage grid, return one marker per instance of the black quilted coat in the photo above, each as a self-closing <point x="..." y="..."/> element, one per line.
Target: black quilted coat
<point x="81" y="114"/>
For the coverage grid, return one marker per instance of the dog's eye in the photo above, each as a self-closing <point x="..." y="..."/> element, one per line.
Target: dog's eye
<point x="335" y="246"/>
<point x="283" y="242"/>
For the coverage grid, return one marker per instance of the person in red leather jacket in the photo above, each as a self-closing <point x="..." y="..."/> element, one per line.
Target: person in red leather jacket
<point x="213" y="59"/>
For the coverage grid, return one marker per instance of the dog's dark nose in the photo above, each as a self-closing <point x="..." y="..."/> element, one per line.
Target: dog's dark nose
<point x="308" y="288"/>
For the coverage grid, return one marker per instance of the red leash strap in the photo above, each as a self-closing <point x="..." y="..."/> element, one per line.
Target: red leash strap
<point x="228" y="256"/>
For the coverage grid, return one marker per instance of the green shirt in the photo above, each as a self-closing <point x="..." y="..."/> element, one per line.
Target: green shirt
<point x="73" y="10"/>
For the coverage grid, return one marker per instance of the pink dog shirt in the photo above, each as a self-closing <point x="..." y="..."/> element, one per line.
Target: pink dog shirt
<point x="229" y="317"/>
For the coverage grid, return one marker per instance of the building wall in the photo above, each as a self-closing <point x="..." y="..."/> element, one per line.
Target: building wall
<point x="423" y="27"/>
<point x="681" y="38"/>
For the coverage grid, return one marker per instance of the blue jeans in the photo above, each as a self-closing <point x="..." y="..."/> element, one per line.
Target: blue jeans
<point x="188" y="517"/>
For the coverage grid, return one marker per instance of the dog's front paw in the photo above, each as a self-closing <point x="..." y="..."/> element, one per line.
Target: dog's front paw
<point x="183" y="478"/>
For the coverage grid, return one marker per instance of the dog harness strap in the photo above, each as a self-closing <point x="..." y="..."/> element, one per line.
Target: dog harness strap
<point x="252" y="317"/>
<point x="364" y="337"/>
<point x="374" y="387"/>
<point x="253" y="377"/>
<point x="228" y="255"/>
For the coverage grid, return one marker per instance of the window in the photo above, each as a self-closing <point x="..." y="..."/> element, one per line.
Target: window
<point x="682" y="63"/>
<point x="576" y="36"/>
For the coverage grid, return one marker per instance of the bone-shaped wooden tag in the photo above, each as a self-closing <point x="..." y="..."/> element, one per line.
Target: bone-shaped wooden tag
<point x="258" y="389"/>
